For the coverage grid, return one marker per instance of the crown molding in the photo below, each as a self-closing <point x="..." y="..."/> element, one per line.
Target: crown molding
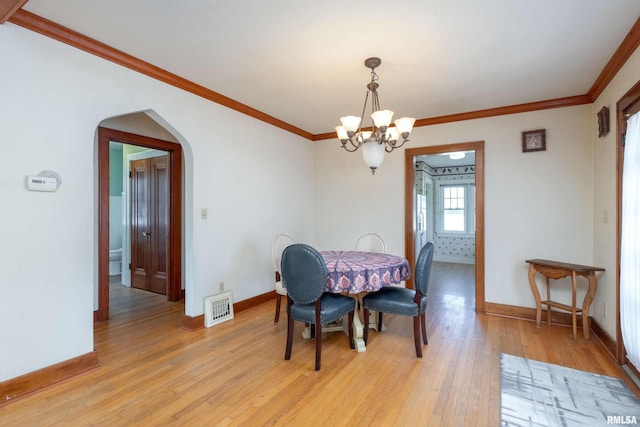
<point x="620" y="56"/>
<point x="65" y="35"/>
<point x="490" y="112"/>
<point x="8" y="8"/>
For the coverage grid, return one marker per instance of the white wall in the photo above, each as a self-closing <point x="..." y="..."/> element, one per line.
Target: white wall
<point x="350" y="202"/>
<point x="537" y="205"/>
<point x="115" y="222"/>
<point x="140" y="124"/>
<point x="254" y="179"/>
<point x="605" y="203"/>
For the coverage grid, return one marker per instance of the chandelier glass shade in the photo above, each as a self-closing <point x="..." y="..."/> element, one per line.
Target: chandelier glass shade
<point x="382" y="136"/>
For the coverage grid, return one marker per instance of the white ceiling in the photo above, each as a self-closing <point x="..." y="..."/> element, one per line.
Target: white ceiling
<point x="444" y="161"/>
<point x="301" y="61"/>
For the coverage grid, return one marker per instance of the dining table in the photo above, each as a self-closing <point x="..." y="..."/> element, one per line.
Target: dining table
<point x="358" y="272"/>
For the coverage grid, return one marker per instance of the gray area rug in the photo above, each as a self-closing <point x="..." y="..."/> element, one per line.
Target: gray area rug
<point x="541" y="394"/>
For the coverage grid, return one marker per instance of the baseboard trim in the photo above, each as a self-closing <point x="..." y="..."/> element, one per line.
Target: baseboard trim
<point x="193" y="323"/>
<point x="524" y="313"/>
<point x="25" y="385"/>
<point x="630" y="375"/>
<point x="607" y="342"/>
<point x="557" y="318"/>
<point x="254" y="301"/>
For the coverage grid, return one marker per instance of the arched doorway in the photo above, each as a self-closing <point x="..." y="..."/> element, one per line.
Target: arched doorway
<point x="174" y="243"/>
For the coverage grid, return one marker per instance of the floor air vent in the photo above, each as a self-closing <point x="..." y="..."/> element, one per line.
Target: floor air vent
<point x="218" y="309"/>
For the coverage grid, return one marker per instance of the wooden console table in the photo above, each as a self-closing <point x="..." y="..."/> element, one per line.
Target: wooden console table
<point x="557" y="270"/>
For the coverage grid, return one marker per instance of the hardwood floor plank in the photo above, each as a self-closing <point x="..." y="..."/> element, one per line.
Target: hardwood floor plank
<point x="153" y="372"/>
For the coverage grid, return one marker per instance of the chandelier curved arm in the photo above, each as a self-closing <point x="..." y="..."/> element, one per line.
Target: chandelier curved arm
<point x="390" y="146"/>
<point x="404" y="140"/>
<point x="346" y="147"/>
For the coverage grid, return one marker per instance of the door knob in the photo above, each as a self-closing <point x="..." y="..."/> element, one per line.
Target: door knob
<point x="146" y="233"/>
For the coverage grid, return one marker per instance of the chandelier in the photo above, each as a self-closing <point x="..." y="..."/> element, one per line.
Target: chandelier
<point x="381" y="136"/>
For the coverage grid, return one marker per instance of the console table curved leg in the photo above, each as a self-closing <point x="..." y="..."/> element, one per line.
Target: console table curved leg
<point x="588" y="298"/>
<point x="536" y="293"/>
<point x="574" y="320"/>
<point x="548" y="299"/>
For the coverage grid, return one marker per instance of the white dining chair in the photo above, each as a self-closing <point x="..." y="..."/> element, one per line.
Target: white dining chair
<point x="280" y="242"/>
<point x="371" y="242"/>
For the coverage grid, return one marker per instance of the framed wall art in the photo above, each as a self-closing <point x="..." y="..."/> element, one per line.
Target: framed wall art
<point x="534" y="140"/>
<point x="603" y="122"/>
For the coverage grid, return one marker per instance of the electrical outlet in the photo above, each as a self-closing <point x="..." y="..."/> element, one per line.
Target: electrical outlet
<point x="204" y="213"/>
<point x="221" y="286"/>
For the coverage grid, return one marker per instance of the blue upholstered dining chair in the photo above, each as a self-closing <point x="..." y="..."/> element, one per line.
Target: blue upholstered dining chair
<point x="403" y="301"/>
<point x="304" y="274"/>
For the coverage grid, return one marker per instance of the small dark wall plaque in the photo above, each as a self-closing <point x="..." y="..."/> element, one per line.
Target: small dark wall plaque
<point x="603" y="122"/>
<point x="534" y="140"/>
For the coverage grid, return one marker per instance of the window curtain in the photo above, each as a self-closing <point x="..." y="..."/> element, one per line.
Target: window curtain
<point x="630" y="243"/>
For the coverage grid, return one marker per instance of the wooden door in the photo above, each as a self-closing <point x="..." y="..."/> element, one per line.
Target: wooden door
<point x="150" y="224"/>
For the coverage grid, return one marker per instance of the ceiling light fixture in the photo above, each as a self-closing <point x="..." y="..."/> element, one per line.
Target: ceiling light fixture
<point x="381" y="136"/>
<point x="456" y="155"/>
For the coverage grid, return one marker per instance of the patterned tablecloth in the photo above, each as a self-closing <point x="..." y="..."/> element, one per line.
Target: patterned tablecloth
<point x="354" y="272"/>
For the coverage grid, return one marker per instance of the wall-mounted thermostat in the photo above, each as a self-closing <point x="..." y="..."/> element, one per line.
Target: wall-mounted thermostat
<point x="42" y="183"/>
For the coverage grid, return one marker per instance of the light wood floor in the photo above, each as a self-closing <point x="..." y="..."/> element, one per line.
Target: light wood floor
<point x="155" y="373"/>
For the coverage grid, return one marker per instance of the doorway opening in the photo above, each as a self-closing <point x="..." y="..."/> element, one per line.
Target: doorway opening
<point x="626" y="350"/>
<point x="172" y="270"/>
<point x="421" y="221"/>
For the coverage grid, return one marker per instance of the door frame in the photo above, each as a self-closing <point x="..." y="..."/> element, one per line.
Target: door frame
<point x="430" y="208"/>
<point x="628" y="104"/>
<point x="106" y="135"/>
<point x="409" y="189"/>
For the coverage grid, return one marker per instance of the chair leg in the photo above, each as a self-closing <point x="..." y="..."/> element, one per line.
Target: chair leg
<point x="423" y="317"/>
<point x="379" y="321"/>
<point x="416" y="335"/>
<point x="365" y="333"/>
<point x="278" y="298"/>
<point x="318" y="330"/>
<point x="287" y="353"/>
<point x="351" y="344"/>
<point x="318" y="346"/>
